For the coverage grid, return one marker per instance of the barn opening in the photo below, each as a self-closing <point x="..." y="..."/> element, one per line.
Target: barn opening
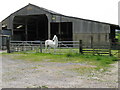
<point x="113" y="33"/>
<point x="62" y="29"/>
<point x="30" y="27"/>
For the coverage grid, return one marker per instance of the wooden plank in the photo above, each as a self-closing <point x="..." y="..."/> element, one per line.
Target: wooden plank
<point x="87" y="52"/>
<point x="102" y="52"/>
<point x="97" y="50"/>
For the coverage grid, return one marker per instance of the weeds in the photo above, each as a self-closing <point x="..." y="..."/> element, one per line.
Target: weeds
<point x="98" y="61"/>
<point x="42" y="87"/>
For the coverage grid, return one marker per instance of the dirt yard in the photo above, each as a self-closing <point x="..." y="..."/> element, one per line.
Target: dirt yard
<point x="29" y="74"/>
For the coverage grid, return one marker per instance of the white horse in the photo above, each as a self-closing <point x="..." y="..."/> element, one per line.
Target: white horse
<point x="51" y="43"/>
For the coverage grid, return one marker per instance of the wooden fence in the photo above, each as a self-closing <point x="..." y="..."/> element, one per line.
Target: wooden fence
<point x="94" y="49"/>
<point x="74" y="46"/>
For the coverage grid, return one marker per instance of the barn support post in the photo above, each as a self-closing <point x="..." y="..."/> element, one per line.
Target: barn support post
<point x="48" y="29"/>
<point x="59" y="30"/>
<point x="11" y="20"/>
<point x="26" y="33"/>
<point x="80" y="47"/>
<point x="91" y="41"/>
<point x="8" y="45"/>
<point x="40" y="46"/>
<point x="37" y="37"/>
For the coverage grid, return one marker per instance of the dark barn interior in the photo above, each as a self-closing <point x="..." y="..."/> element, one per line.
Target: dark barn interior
<point x="62" y="29"/>
<point x="30" y="27"/>
<point x="113" y="34"/>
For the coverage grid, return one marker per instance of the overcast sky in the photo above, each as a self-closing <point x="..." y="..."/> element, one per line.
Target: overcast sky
<point x="98" y="10"/>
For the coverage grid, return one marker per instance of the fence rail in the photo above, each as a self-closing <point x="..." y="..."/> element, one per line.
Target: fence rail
<point x="64" y="47"/>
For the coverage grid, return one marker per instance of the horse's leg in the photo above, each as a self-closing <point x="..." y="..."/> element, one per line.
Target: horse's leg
<point x="45" y="48"/>
<point x="54" y="49"/>
<point x="49" y="49"/>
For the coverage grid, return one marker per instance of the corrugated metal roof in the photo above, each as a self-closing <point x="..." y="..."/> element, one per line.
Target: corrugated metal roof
<point x="55" y="13"/>
<point x="46" y="10"/>
<point x="49" y="11"/>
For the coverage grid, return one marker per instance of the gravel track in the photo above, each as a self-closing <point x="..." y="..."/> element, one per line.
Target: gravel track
<point x="23" y="74"/>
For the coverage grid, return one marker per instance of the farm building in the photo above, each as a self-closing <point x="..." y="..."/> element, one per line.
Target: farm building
<point x="35" y="23"/>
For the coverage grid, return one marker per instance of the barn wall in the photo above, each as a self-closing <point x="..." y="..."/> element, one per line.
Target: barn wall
<point x="88" y="31"/>
<point x="98" y="39"/>
<point x="0" y="26"/>
<point x="82" y="29"/>
<point x="28" y="10"/>
<point x="83" y="26"/>
<point x="59" y="18"/>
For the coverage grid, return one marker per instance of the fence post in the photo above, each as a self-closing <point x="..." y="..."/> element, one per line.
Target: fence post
<point x="118" y="48"/>
<point x="8" y="45"/>
<point x="93" y="51"/>
<point x="40" y="46"/>
<point x="119" y="53"/>
<point x="80" y="47"/>
<point x="110" y="48"/>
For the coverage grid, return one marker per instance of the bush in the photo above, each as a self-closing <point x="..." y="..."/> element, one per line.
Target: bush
<point x="69" y="55"/>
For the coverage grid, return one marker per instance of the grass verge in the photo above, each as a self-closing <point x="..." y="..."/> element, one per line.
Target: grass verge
<point x="94" y="60"/>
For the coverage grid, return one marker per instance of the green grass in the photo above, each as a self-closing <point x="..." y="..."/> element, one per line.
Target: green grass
<point x="88" y="59"/>
<point x="118" y="36"/>
<point x="63" y="51"/>
<point x="94" y="60"/>
<point x="102" y="61"/>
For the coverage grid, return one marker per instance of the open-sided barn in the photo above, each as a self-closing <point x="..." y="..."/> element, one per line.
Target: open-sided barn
<point x="35" y="23"/>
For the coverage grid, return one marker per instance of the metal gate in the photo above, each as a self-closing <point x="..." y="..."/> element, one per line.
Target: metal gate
<point x="29" y="46"/>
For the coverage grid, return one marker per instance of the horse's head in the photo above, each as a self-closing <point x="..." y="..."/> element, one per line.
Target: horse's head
<point x="54" y="38"/>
